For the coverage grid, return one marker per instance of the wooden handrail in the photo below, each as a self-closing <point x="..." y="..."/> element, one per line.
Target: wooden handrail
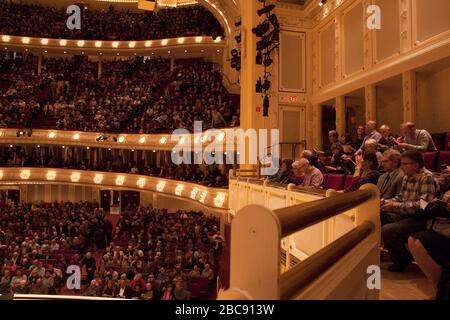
<point x="299" y="217"/>
<point x="305" y="272"/>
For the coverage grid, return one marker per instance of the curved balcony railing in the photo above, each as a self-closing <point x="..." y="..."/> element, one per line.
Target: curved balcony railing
<point x="108" y="47"/>
<point x="129" y="141"/>
<point x="208" y="197"/>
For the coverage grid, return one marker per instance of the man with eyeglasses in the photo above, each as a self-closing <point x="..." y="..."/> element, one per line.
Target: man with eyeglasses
<point x="390" y="183"/>
<point x="398" y="216"/>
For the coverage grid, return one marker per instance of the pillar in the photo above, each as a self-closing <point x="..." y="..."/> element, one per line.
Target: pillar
<point x="39" y="70"/>
<point x="409" y="96"/>
<point x="371" y="102"/>
<point x="100" y="67"/>
<point x="341" y="124"/>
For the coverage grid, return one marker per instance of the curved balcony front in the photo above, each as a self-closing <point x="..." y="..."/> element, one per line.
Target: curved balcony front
<point x="102" y="47"/>
<point x="206" y="197"/>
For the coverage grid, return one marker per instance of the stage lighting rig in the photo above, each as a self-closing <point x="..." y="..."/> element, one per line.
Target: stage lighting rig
<point x="261" y="29"/>
<point x="265" y="9"/>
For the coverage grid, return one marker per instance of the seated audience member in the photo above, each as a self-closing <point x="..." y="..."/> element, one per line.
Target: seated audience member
<point x="284" y="173"/>
<point x="390" y="183"/>
<point x="371" y="146"/>
<point x="387" y="141"/>
<point x="148" y="294"/>
<point x="93" y="290"/>
<point x="431" y="248"/>
<point x="347" y="144"/>
<point x="313" y="159"/>
<point x="333" y="137"/>
<point x="399" y="216"/>
<point x="366" y="171"/>
<point x="125" y="291"/>
<point x="340" y="163"/>
<point x="371" y="133"/>
<point x="312" y="177"/>
<point x="180" y="293"/>
<point x="415" y="139"/>
<point x="359" y="136"/>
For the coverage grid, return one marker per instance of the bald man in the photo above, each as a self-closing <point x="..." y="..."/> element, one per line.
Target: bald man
<point x="312" y="177"/>
<point x="415" y="139"/>
<point x="371" y="133"/>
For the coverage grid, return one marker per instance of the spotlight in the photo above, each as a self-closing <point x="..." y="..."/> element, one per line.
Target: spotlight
<point x="266" y="106"/>
<point x="261" y="29"/>
<point x="266" y="85"/>
<point x="266" y="9"/>
<point x="322" y="2"/>
<point x="259" y="58"/>
<point x="274" y="20"/>
<point x="268" y="61"/>
<point x="234" y="53"/>
<point x="238" y="38"/>
<point x="238" y="23"/>
<point x="259" y="88"/>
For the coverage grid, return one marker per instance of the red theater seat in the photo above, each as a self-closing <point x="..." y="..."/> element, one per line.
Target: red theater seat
<point x="336" y="181"/>
<point x="348" y="181"/>
<point x="431" y="160"/>
<point x="444" y="160"/>
<point x="325" y="180"/>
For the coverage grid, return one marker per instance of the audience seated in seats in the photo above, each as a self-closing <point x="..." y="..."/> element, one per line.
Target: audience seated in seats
<point x="347" y="144"/>
<point x="108" y="24"/>
<point x="313" y="159"/>
<point x="390" y="183"/>
<point x="371" y="133"/>
<point x="340" y="163"/>
<point x="399" y="216"/>
<point x="415" y="139"/>
<point x="312" y="177"/>
<point x="366" y="171"/>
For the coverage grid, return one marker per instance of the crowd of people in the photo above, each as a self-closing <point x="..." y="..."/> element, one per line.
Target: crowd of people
<point x="150" y="254"/>
<point x="138" y="95"/>
<point x="415" y="202"/>
<point x="35" y="20"/>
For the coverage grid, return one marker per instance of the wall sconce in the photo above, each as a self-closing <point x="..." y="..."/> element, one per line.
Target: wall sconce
<point x="75" y="177"/>
<point x="25" y="174"/>
<point x="142" y="140"/>
<point x="194" y="193"/>
<point x="160" y="186"/>
<point x="141" y="182"/>
<point x="51" y="175"/>
<point x="120" y="180"/>
<point x="52" y="135"/>
<point x="98" y="178"/>
<point x="63" y="42"/>
<point x="219" y="200"/>
<point x="203" y="196"/>
<point x="179" y="190"/>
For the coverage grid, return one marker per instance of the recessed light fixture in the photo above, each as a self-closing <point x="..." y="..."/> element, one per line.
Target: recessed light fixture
<point x="63" y="42"/>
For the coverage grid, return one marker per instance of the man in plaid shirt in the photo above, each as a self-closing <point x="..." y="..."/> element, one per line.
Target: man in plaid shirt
<point x="398" y="216"/>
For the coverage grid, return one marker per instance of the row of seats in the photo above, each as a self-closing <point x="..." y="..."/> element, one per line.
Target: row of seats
<point x="441" y="140"/>
<point x="436" y="161"/>
<point x="337" y="181"/>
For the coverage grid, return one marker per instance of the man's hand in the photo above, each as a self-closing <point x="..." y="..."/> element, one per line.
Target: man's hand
<point x="388" y="205"/>
<point x="359" y="160"/>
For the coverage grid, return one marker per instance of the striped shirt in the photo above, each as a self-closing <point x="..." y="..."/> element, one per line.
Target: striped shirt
<point x="421" y="186"/>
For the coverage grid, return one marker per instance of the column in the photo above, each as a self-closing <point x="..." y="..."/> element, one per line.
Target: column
<point x="316" y="123"/>
<point x="371" y="102"/>
<point x="252" y="102"/>
<point x="409" y="96"/>
<point x="39" y="70"/>
<point x="100" y="67"/>
<point x="341" y="124"/>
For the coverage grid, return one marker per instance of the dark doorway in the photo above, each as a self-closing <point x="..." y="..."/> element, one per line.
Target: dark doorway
<point x="105" y="202"/>
<point x="328" y="122"/>
<point x="7" y="196"/>
<point x="130" y="198"/>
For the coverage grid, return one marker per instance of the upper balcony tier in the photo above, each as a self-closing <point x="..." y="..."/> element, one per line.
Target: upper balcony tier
<point x="30" y="20"/>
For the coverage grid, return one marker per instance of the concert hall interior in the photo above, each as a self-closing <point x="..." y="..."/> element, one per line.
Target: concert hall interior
<point x="225" y="149"/>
